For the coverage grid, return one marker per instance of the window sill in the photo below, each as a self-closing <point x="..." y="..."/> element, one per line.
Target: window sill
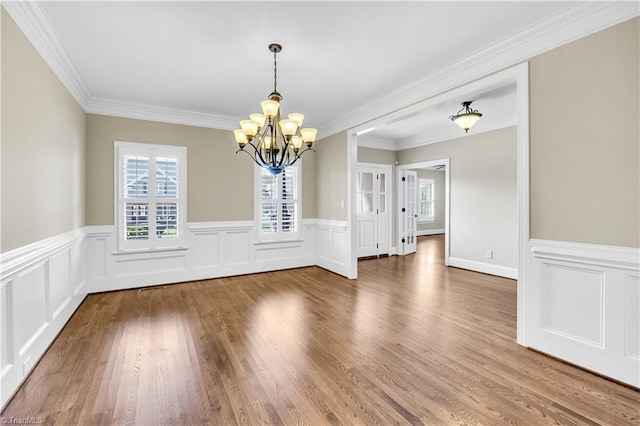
<point x="427" y="221"/>
<point x="150" y="250"/>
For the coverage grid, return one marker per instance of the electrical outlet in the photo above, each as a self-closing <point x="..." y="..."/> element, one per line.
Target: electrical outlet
<point x="342" y="204"/>
<point x="489" y="254"/>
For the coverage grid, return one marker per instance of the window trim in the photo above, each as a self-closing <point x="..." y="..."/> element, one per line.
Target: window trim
<point x="276" y="237"/>
<point x="427" y="219"/>
<point x="152" y="244"/>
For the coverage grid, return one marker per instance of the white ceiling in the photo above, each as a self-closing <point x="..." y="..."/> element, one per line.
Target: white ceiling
<point x="430" y="123"/>
<point x="212" y="57"/>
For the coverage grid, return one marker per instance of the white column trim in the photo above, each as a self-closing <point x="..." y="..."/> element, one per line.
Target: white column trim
<point x="523" y="197"/>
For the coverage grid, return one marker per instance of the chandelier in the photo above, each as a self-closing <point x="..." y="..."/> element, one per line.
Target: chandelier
<point x="468" y="118"/>
<point x="272" y="142"/>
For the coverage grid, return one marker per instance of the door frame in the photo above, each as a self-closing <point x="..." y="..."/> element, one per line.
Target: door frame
<point x="388" y="169"/>
<point x="447" y="174"/>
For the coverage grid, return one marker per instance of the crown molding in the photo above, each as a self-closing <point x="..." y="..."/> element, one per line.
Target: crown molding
<point x="377" y="143"/>
<point x="427" y="138"/>
<point x="449" y="134"/>
<point x="35" y="25"/>
<point x="565" y="26"/>
<point x="568" y="25"/>
<point x="117" y="108"/>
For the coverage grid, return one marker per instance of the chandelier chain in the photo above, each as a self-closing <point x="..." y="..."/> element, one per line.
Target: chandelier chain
<point x="275" y="72"/>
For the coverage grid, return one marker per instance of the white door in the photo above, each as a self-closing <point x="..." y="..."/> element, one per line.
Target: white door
<point x="384" y="215"/>
<point x="373" y="216"/>
<point x="408" y="210"/>
<point x="366" y="209"/>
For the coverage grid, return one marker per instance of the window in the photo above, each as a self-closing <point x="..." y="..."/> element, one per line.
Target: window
<point x="278" y="203"/>
<point x="150" y="195"/>
<point x="425" y="195"/>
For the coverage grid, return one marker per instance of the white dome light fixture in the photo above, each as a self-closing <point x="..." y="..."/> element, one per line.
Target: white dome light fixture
<point x="466" y="119"/>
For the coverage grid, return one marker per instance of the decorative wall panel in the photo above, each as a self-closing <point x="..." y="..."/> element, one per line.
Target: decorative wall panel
<point x="582" y="305"/>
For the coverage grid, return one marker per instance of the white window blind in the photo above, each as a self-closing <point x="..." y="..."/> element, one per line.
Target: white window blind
<point x="278" y="202"/>
<point x="426" y="212"/>
<point x="151" y="196"/>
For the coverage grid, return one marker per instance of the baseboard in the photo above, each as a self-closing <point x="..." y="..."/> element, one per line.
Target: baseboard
<point x="429" y="232"/>
<point x="485" y="268"/>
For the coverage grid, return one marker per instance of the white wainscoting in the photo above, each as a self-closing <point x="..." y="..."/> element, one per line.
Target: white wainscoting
<point x="485" y="268"/>
<point x="41" y="286"/>
<point x="212" y="249"/>
<point x="583" y="306"/>
<point x="333" y="253"/>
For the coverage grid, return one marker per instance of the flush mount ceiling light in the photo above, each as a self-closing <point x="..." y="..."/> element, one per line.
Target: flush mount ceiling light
<point x="274" y="143"/>
<point x="466" y="119"/>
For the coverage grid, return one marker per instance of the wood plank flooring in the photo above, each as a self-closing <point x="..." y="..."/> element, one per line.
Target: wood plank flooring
<point x="409" y="342"/>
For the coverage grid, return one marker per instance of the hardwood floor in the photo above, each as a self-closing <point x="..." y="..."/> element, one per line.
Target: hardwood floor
<point x="409" y="342"/>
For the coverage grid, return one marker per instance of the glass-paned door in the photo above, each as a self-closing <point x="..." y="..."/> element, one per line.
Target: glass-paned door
<point x="372" y="208"/>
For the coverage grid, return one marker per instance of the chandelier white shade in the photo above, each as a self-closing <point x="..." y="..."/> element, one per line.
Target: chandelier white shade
<point x="272" y="142"/>
<point x="466" y="119"/>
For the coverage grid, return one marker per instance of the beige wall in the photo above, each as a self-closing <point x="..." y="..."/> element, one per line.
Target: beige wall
<point x="376" y="156"/>
<point x="309" y="185"/>
<point x="332" y="177"/>
<point x="483" y="203"/>
<point x="438" y="199"/>
<point x="220" y="183"/>
<point x="584" y="100"/>
<point x="43" y="155"/>
<point x="585" y="181"/>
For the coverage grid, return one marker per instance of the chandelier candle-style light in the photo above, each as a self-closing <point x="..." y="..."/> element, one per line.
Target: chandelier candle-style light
<point x="468" y="118"/>
<point x="275" y="143"/>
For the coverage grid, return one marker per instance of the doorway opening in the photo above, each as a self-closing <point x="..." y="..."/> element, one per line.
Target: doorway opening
<point x="414" y="113"/>
<point x="415" y="216"/>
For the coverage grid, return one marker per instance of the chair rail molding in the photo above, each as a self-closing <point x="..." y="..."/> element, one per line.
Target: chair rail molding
<point x="625" y="258"/>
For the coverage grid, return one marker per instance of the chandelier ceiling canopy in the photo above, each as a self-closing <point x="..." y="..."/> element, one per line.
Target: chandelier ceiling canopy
<point x="272" y="142"/>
